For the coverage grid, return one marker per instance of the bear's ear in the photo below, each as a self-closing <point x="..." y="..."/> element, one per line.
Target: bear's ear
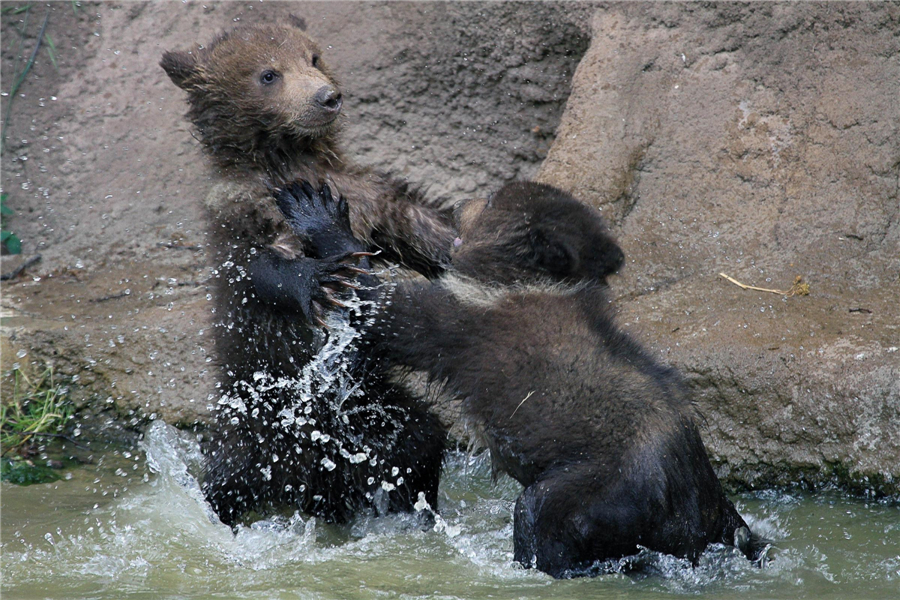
<point x="550" y="252"/>
<point x="181" y="67"/>
<point x="298" y="22"/>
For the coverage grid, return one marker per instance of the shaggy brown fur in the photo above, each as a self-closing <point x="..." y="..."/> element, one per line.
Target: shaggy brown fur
<point x="266" y="108"/>
<point x="601" y="435"/>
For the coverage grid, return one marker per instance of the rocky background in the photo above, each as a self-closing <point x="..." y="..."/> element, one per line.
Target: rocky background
<point x="757" y="140"/>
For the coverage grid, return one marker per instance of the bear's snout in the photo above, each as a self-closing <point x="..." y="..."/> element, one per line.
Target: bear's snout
<point x="329" y="99"/>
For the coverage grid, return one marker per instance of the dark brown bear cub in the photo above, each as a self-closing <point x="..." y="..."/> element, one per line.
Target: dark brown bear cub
<point x="601" y="435"/>
<point x="265" y="109"/>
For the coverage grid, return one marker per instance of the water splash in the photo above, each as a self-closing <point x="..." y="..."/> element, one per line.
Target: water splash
<point x="155" y="538"/>
<point x="325" y="411"/>
<point x="440" y="525"/>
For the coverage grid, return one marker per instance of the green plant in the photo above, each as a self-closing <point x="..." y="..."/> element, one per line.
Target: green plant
<point x="37" y="408"/>
<point x="9" y="240"/>
<point x="15" y="10"/>
<point x="51" y="50"/>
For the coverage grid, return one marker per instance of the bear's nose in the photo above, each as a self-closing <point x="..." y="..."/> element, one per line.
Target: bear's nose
<point x="329" y="98"/>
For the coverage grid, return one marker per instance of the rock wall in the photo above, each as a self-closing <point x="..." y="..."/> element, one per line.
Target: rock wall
<point x="761" y="141"/>
<point x="106" y="180"/>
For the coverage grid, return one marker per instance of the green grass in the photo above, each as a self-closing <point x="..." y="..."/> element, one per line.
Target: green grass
<point x="38" y="408"/>
<point x="15" y="10"/>
<point x="51" y="50"/>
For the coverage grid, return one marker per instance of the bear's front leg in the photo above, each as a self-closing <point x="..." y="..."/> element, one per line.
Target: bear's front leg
<point x="310" y="285"/>
<point x="319" y="218"/>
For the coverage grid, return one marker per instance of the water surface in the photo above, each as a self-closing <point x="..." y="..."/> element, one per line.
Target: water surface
<point x="134" y="526"/>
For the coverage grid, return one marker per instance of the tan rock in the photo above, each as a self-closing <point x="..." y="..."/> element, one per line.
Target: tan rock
<point x="758" y="140"/>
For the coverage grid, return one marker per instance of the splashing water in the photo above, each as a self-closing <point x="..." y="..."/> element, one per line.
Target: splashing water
<point x="113" y="531"/>
<point x="325" y="412"/>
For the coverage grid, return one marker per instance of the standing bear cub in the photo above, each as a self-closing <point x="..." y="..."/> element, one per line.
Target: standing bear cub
<point x="293" y="434"/>
<point x="602" y="436"/>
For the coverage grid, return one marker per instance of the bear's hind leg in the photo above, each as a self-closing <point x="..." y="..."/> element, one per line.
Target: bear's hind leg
<point x="231" y="480"/>
<point x="419" y="456"/>
<point x="566" y="523"/>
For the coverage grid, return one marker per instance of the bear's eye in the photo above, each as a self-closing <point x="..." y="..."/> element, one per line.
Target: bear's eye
<point x="315" y="61"/>
<point x="268" y="77"/>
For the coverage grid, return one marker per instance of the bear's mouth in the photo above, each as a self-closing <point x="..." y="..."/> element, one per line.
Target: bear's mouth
<point x="319" y="117"/>
<point x="323" y="109"/>
<point x="329" y="117"/>
<point x="315" y="125"/>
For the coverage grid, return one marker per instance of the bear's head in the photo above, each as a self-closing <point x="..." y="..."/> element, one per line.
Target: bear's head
<point x="533" y="232"/>
<point x="257" y="89"/>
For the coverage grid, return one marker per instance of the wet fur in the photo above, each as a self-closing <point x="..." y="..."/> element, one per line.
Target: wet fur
<point x="601" y="435"/>
<point x="259" y="139"/>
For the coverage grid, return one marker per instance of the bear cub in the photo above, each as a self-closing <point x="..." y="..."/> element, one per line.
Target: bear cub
<point x="601" y="435"/>
<point x="266" y="110"/>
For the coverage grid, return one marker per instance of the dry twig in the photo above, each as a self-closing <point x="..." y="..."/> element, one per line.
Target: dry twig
<point x="798" y="289"/>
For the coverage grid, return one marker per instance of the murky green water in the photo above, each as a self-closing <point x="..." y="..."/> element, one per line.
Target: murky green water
<point x="134" y="527"/>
